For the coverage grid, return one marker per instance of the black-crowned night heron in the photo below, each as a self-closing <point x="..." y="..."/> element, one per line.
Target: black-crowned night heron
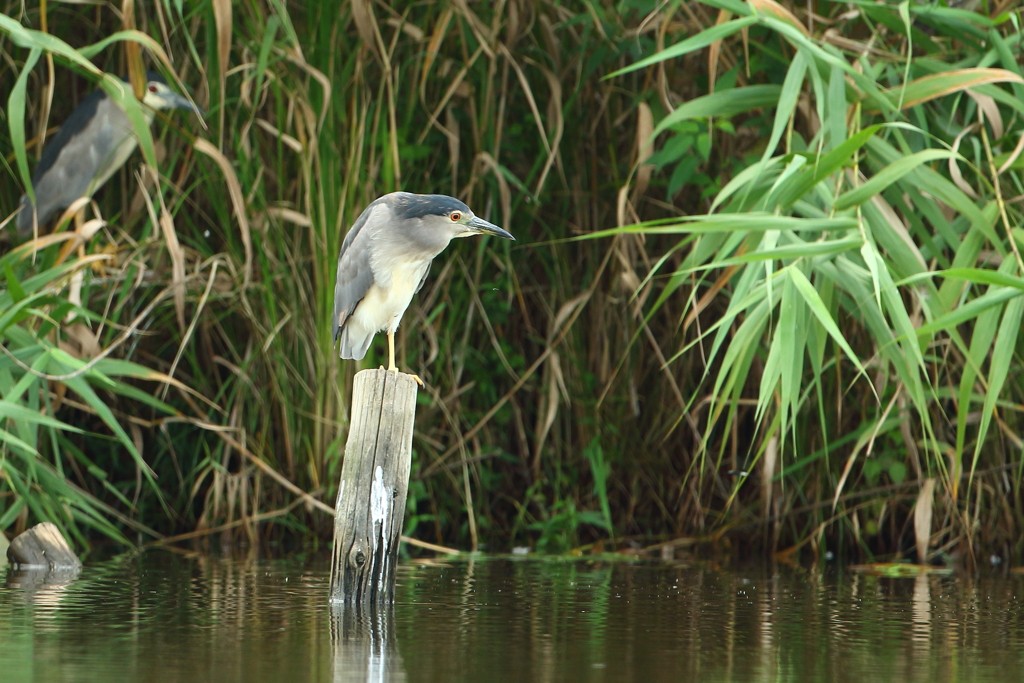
<point x="92" y="144"/>
<point x="385" y="259"/>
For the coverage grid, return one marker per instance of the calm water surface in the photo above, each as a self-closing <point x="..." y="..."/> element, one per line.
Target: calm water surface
<point x="166" y="617"/>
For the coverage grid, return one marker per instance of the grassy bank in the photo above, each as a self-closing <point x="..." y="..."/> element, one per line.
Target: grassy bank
<point x="829" y="334"/>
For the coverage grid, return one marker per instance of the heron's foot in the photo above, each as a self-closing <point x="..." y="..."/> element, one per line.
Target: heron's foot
<point x="394" y="369"/>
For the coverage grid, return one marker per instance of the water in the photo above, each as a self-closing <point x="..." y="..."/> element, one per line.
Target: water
<point x="166" y="617"/>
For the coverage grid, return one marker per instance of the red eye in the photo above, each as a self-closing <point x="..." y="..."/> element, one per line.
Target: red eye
<point x="152" y="88"/>
<point x="456" y="216"/>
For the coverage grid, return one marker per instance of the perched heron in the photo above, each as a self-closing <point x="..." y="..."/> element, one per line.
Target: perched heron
<point x="92" y="144"/>
<point x="385" y="259"/>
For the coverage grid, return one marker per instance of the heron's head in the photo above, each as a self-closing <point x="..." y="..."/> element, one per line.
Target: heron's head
<point x="158" y="95"/>
<point x="438" y="216"/>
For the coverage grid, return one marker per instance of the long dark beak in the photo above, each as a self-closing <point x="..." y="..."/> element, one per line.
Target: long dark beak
<point x="483" y="227"/>
<point x="176" y="101"/>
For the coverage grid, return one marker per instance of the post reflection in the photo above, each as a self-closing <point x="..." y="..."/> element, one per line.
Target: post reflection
<point x="43" y="588"/>
<point x="766" y="597"/>
<point x="363" y="644"/>
<point x="921" y="616"/>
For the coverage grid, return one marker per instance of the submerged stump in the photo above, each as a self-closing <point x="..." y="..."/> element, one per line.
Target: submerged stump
<point x="42" y="547"/>
<point x="370" y="509"/>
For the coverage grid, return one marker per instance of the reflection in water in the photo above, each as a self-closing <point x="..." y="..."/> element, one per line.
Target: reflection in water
<point x="766" y="599"/>
<point x="41" y="587"/>
<point x="169" y="618"/>
<point x="363" y="644"/>
<point x="921" y="605"/>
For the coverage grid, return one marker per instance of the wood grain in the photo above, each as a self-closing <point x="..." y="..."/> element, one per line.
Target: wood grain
<point x="374" y="483"/>
<point x="42" y="547"/>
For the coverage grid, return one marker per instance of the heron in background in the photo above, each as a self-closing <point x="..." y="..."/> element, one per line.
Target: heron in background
<point x="94" y="142"/>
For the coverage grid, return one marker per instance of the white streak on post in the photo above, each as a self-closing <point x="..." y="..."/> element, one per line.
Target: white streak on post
<point x="380" y="501"/>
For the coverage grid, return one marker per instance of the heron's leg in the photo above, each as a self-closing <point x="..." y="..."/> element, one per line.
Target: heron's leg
<point x="391" y="352"/>
<point x="391" y="358"/>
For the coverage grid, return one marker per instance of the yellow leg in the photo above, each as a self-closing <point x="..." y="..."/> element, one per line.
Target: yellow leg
<point x="392" y="367"/>
<point x="391" y="353"/>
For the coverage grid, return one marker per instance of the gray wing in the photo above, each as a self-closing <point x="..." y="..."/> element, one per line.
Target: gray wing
<point x="354" y="272"/>
<point x="76" y="124"/>
<point x="70" y="161"/>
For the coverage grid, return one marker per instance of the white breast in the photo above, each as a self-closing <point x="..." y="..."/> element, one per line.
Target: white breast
<point x="385" y="302"/>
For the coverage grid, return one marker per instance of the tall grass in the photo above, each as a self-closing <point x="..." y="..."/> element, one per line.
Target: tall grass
<point x="593" y="381"/>
<point x="859" y="276"/>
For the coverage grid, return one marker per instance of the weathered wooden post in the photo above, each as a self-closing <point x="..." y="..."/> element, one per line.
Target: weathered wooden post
<point x="370" y="509"/>
<point x="43" y="562"/>
<point x="42" y="547"/>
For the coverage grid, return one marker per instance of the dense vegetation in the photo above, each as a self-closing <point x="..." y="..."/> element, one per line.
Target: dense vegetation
<point x="791" y="318"/>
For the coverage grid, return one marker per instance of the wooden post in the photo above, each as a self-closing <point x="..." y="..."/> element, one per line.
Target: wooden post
<point x="42" y="547"/>
<point x="43" y="562"/>
<point x="374" y="482"/>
